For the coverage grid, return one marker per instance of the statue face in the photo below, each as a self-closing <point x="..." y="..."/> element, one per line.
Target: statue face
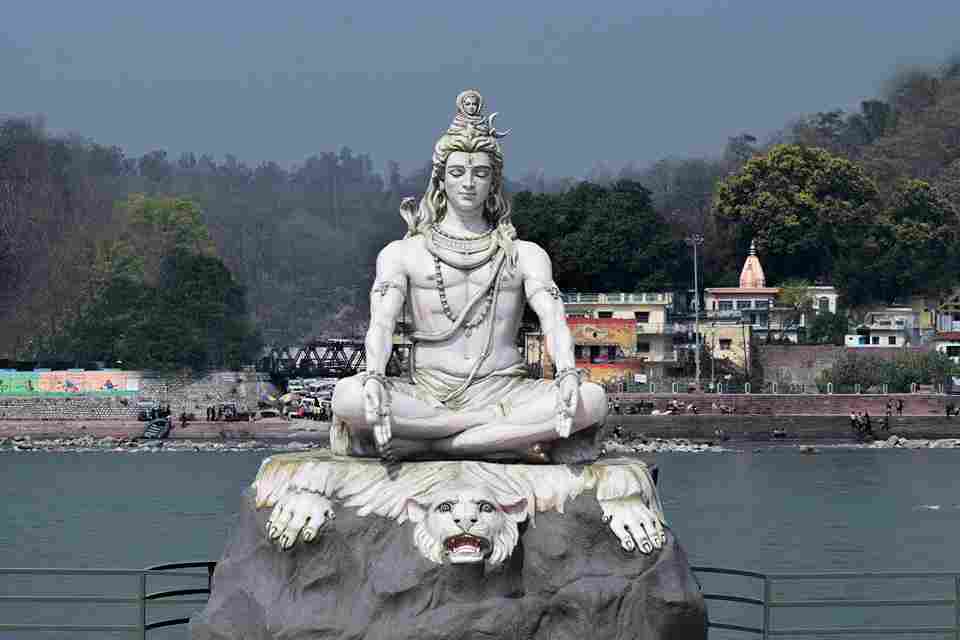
<point x="467" y="180"/>
<point x="471" y="104"/>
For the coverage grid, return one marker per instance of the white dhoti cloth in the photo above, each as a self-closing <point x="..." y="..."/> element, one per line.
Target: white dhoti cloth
<point x="503" y="389"/>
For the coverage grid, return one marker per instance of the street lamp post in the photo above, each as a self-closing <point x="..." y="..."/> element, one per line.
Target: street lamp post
<point x="694" y="241"/>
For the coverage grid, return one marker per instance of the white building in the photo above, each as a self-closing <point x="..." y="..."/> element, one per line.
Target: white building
<point x="887" y="327"/>
<point x="755" y="304"/>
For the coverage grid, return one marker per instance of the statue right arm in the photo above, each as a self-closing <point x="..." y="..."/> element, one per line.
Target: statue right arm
<point x="386" y="302"/>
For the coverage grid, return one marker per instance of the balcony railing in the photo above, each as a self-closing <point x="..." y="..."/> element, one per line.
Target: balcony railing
<point x="577" y="297"/>
<point x="666" y="328"/>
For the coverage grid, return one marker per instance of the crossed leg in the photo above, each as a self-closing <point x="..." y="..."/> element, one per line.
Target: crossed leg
<point x="420" y="428"/>
<point x="533" y="423"/>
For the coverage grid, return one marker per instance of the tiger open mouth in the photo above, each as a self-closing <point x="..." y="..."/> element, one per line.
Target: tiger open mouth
<point x="465" y="548"/>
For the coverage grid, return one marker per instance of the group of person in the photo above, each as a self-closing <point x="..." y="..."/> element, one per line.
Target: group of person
<point x="722" y="408"/>
<point x="220" y="412"/>
<point x="310" y="408"/>
<point x="675" y="406"/>
<point x="899" y="407"/>
<point x="862" y="425"/>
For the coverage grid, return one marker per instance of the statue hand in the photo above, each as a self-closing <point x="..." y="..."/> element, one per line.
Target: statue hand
<point x="635" y="524"/>
<point x="409" y="205"/>
<point x="377" y="413"/>
<point x="569" y="391"/>
<point x="298" y="515"/>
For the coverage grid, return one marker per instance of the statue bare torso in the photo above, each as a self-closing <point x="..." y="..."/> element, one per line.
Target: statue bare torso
<point x="458" y="355"/>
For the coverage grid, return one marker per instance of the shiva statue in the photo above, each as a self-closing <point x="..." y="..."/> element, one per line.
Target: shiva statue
<point x="465" y="277"/>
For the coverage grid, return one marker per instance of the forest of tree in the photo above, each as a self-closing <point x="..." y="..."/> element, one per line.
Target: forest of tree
<point x="193" y="261"/>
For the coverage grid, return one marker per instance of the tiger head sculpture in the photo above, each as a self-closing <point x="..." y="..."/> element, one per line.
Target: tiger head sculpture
<point x="461" y="524"/>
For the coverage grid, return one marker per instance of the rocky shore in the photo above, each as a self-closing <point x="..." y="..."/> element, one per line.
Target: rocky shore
<point x="619" y="443"/>
<point x="135" y="445"/>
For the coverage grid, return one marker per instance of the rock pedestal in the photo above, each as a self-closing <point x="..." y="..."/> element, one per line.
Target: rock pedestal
<point x="372" y="572"/>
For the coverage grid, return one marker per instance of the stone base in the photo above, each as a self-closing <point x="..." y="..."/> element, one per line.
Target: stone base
<point x="568" y="576"/>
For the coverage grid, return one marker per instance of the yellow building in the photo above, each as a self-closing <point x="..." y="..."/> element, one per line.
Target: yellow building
<point x="621" y="335"/>
<point x="726" y="341"/>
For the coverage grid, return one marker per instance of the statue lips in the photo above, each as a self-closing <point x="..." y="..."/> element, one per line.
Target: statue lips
<point x="465" y="548"/>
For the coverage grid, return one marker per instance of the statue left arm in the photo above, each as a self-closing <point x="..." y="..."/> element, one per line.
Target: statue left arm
<point x="544" y="298"/>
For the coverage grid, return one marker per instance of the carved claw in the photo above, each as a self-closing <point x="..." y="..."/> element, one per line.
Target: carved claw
<point x="636" y="526"/>
<point x="298" y="516"/>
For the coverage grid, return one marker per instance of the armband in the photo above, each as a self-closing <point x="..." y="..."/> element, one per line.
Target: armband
<point x="536" y="286"/>
<point x="382" y="286"/>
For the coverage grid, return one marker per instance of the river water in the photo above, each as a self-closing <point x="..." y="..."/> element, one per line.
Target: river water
<point x="770" y="509"/>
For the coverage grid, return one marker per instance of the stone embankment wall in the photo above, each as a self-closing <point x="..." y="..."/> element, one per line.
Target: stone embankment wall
<point x="801" y="364"/>
<point x="809" y="404"/>
<point x="796" y="428"/>
<point x="269" y="429"/>
<point x="182" y="393"/>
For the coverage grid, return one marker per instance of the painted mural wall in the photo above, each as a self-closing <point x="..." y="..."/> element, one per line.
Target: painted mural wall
<point x="59" y="383"/>
<point x="595" y="336"/>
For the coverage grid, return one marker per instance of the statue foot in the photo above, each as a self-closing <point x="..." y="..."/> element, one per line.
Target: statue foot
<point x="537" y="454"/>
<point x="583" y="447"/>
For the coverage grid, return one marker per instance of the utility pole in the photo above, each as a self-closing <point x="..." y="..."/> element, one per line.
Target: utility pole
<point x="713" y="355"/>
<point x="694" y="241"/>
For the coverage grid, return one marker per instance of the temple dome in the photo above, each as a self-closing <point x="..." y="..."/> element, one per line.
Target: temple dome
<point x="751" y="276"/>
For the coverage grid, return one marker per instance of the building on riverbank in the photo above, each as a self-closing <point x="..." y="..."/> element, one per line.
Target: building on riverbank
<point x="620" y="335"/>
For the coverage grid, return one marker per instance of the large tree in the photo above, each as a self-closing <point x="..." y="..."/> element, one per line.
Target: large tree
<point x="802" y="205"/>
<point x="160" y="297"/>
<point x="601" y="238"/>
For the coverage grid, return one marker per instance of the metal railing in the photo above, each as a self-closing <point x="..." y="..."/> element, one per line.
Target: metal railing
<point x="760" y="599"/>
<point x="140" y="598"/>
<point x="765" y="603"/>
<point x="675" y="385"/>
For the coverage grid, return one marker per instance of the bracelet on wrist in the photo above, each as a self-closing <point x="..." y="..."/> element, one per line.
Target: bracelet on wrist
<point x="564" y="373"/>
<point x="379" y="377"/>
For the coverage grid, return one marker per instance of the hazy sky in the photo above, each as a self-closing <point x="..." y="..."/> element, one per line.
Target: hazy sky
<point x="578" y="82"/>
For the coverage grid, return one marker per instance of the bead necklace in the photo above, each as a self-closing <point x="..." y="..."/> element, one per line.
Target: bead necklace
<point x="462" y="245"/>
<point x="441" y="289"/>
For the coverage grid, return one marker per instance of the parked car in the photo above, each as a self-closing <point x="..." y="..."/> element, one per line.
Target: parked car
<point x="266" y="413"/>
<point x="294" y="386"/>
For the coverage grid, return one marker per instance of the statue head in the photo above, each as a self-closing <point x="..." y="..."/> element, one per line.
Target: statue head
<point x="470" y="133"/>
<point x="463" y="523"/>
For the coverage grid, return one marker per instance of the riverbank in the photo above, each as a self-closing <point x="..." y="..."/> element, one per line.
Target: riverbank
<point x="621" y="444"/>
<point x="797" y="404"/>
<point x="697" y="428"/>
<point x="25" y="444"/>
<point x="272" y="429"/>
<point x="807" y="429"/>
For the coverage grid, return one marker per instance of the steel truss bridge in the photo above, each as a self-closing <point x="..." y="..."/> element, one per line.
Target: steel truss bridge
<point x="328" y="359"/>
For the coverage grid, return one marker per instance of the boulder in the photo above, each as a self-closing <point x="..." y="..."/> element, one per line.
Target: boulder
<point x="569" y="577"/>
